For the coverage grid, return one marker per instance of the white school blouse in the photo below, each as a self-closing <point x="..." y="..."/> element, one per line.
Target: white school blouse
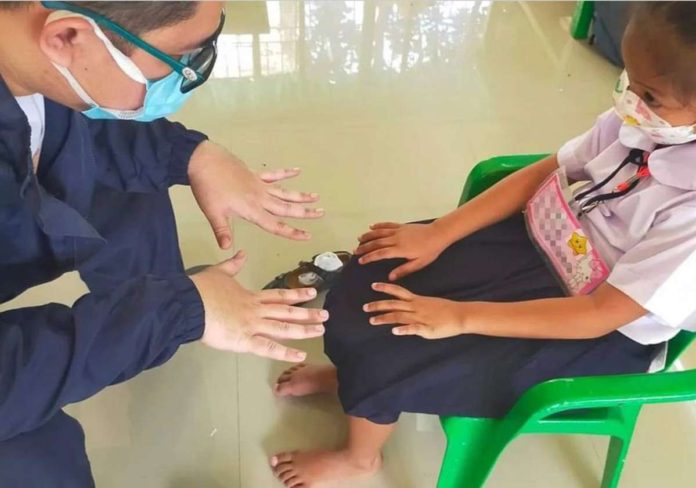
<point x="647" y="237"/>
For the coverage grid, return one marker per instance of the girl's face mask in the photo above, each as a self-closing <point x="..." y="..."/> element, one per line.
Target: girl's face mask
<point x="635" y="112"/>
<point x="162" y="97"/>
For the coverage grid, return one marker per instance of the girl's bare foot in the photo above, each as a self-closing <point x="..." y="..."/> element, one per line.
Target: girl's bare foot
<point x="303" y="379"/>
<point x="317" y="468"/>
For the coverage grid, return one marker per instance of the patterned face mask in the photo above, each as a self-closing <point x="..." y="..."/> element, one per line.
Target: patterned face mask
<point x="634" y="111"/>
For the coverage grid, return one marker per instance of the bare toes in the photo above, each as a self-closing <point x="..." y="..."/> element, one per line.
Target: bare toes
<point x="283" y="389"/>
<point x="282" y="458"/>
<point x="284" y="378"/>
<point x="289" y="477"/>
<point x="295" y="482"/>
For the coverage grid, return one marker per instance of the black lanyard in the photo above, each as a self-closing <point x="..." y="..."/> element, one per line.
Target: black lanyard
<point x="637" y="157"/>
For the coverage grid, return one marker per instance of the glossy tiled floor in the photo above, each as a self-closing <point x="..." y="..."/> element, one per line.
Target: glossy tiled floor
<point x="386" y="105"/>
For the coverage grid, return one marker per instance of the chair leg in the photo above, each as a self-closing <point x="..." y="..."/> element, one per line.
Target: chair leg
<point x="616" y="457"/>
<point x="582" y="18"/>
<point x="618" y="449"/>
<point x="473" y="447"/>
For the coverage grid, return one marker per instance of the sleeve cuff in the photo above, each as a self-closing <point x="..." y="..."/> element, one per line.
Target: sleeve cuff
<point x="568" y="160"/>
<point x="192" y="320"/>
<point x="642" y="291"/>
<point x="183" y="144"/>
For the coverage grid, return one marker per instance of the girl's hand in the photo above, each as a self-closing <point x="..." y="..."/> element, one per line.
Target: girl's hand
<point x="420" y="244"/>
<point x="428" y="317"/>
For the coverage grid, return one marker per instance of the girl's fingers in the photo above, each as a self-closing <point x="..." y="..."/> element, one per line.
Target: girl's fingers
<point x="376" y="234"/>
<point x="381" y="254"/>
<point x="385" y="225"/>
<point x="370" y="246"/>
<point x="388" y="306"/>
<point x="392" y="318"/>
<point x="394" y="290"/>
<point x="412" y="329"/>
<point x="405" y="269"/>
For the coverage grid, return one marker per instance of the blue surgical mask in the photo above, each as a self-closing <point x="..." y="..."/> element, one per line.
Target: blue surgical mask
<point x="162" y="97"/>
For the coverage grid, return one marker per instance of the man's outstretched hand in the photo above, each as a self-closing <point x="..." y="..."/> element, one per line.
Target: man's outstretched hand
<point x="225" y="188"/>
<point x="240" y="320"/>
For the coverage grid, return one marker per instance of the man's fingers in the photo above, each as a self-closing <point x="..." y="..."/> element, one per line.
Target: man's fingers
<point x="233" y="265"/>
<point x="293" y="196"/>
<point x="287" y="297"/>
<point x="221" y="229"/>
<point x="280" y="228"/>
<point x="394" y="290"/>
<point x="264" y="347"/>
<point x="371" y="246"/>
<point x="288" y="313"/>
<point x="405" y="269"/>
<point x="274" y="175"/>
<point x="293" y="210"/>
<point x="286" y="330"/>
<point x="391" y="318"/>
<point x="376" y="234"/>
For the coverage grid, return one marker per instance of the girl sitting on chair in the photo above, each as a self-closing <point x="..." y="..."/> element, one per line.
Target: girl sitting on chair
<point x="461" y="315"/>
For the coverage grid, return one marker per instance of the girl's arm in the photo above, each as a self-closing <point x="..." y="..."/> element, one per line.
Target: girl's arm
<point x="502" y="200"/>
<point x="421" y="244"/>
<point x="581" y="317"/>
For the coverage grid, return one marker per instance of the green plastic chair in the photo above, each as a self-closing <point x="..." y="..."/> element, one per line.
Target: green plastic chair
<point x="597" y="405"/>
<point x="582" y="19"/>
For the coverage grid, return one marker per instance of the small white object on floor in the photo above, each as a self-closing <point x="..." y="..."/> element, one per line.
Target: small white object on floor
<point x="328" y="261"/>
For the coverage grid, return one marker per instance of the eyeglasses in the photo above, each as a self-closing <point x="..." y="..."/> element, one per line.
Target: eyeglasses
<point x="197" y="66"/>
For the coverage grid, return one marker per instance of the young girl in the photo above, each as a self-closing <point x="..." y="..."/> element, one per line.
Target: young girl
<point x="489" y="305"/>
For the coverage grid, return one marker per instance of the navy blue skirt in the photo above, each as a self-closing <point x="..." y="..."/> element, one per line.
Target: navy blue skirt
<point x="381" y="375"/>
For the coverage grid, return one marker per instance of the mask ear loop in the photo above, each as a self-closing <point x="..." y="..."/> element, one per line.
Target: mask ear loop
<point x="75" y="85"/>
<point x="124" y="62"/>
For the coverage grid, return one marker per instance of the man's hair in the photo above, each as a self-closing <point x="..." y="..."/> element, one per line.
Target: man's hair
<point x="137" y="17"/>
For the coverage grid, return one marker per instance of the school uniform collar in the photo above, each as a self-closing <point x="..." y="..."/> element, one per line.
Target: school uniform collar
<point x="673" y="166"/>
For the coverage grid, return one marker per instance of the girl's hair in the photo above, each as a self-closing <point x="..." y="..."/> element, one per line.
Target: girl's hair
<point x="679" y="16"/>
<point x="673" y="26"/>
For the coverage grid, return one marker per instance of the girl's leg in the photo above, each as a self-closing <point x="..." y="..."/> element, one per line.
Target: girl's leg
<point x="304" y="379"/>
<point x="361" y="456"/>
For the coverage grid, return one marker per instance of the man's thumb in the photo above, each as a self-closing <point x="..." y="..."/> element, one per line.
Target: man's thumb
<point x="233" y="265"/>
<point x="221" y="229"/>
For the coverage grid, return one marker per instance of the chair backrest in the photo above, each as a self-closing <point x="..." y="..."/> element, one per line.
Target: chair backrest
<point x="487" y="173"/>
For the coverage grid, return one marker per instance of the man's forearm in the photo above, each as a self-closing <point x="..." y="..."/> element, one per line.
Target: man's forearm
<point x="498" y="203"/>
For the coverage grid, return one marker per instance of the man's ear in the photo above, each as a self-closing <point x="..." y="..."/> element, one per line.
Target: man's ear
<point x="62" y="38"/>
